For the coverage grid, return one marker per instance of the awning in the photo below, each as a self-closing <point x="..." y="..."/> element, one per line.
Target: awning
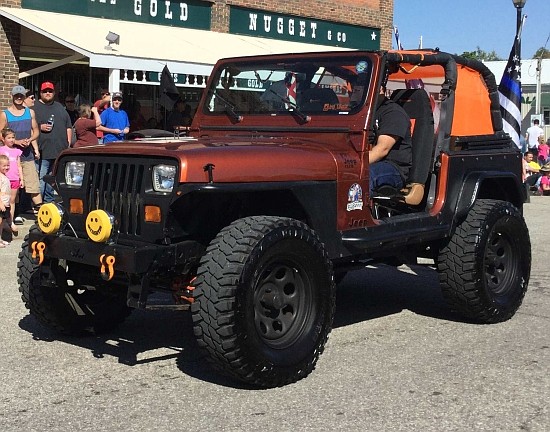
<point x="145" y="47"/>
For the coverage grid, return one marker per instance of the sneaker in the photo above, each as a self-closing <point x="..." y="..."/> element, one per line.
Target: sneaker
<point x="18" y="220"/>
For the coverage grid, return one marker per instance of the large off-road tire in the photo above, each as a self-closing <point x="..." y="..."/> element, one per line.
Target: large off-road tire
<point x="68" y="309"/>
<point x="484" y="269"/>
<point x="264" y="300"/>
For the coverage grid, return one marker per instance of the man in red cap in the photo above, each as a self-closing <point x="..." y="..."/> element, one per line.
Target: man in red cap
<point x="55" y="134"/>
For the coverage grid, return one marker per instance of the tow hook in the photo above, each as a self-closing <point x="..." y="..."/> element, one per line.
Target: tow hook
<point x="107" y="266"/>
<point x="38" y="251"/>
<point x="183" y="291"/>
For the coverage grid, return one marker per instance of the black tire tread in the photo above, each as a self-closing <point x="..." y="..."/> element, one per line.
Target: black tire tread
<point x="457" y="263"/>
<point x="50" y="313"/>
<point x="213" y="309"/>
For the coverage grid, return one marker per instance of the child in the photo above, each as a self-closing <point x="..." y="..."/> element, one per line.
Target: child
<point x="544" y="187"/>
<point x="15" y="172"/>
<point x="5" y="195"/>
<point x="544" y="151"/>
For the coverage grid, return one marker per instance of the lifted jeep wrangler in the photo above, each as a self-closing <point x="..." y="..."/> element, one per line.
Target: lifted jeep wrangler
<point x="250" y="220"/>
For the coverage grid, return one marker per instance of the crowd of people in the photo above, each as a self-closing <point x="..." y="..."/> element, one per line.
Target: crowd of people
<point x="34" y="132"/>
<point x="536" y="161"/>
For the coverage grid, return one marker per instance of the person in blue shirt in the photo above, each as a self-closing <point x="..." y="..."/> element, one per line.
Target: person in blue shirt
<point x="114" y="121"/>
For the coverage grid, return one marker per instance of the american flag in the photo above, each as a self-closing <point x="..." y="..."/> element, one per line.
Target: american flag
<point x="509" y="92"/>
<point x="291" y="91"/>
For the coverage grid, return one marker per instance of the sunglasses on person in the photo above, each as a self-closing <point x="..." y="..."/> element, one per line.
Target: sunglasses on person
<point x="30" y="97"/>
<point x="106" y="94"/>
<point x="47" y="91"/>
<point x="117" y="99"/>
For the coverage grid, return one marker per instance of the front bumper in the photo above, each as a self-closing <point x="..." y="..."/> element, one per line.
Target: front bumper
<point x="140" y="259"/>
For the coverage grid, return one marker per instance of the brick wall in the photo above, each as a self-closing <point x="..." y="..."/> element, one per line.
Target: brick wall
<point x="370" y="13"/>
<point x="10" y="42"/>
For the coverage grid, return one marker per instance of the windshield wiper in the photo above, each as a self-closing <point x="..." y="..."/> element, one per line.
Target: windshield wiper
<point x="293" y="106"/>
<point x="229" y="107"/>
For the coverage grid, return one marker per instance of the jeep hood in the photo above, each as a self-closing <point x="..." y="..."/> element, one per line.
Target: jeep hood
<point x="234" y="159"/>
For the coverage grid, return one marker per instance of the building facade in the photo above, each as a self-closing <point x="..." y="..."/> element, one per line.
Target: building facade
<point x="87" y="45"/>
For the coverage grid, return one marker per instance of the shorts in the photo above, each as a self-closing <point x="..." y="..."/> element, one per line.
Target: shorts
<point x="30" y="177"/>
<point x="15" y="184"/>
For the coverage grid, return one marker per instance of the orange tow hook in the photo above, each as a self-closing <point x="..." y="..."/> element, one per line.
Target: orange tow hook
<point x="188" y="292"/>
<point x="38" y="251"/>
<point x="107" y="266"/>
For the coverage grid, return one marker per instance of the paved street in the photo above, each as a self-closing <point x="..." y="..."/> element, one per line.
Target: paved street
<point x="397" y="360"/>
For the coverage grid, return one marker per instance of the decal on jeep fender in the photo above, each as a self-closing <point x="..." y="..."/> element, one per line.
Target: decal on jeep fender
<point x="355" y="198"/>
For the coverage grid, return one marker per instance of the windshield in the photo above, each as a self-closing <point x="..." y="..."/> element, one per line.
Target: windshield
<point x="321" y="85"/>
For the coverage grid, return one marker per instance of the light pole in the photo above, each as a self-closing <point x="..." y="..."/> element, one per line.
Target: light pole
<point x="519" y="7"/>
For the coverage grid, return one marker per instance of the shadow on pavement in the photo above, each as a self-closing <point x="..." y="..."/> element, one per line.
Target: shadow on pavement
<point x="379" y="291"/>
<point x="363" y="295"/>
<point x="138" y="341"/>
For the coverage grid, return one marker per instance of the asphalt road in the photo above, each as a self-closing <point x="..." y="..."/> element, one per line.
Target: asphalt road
<point x="396" y="360"/>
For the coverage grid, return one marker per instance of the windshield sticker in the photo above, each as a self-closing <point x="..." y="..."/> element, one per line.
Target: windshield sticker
<point x="355" y="198"/>
<point x="361" y="67"/>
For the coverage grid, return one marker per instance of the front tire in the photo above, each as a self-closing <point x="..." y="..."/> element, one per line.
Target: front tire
<point x="68" y="309"/>
<point x="485" y="267"/>
<point x="264" y="300"/>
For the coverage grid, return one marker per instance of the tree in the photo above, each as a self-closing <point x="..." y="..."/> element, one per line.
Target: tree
<point x="542" y="53"/>
<point x="479" y="54"/>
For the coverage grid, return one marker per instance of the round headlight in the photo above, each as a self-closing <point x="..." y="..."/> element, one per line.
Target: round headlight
<point x="99" y="225"/>
<point x="49" y="218"/>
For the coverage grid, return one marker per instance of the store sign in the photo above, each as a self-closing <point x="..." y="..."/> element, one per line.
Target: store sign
<point x="155" y="77"/>
<point x="189" y="14"/>
<point x="296" y="29"/>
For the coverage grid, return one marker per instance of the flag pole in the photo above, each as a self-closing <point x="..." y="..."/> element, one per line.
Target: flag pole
<point x="509" y="91"/>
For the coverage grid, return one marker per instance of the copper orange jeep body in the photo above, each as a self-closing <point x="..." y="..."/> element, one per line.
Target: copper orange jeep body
<point x="252" y="219"/>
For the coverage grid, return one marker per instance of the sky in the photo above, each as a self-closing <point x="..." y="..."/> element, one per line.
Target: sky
<point x="456" y="26"/>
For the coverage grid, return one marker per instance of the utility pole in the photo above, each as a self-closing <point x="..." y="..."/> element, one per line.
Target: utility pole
<point x="539" y="73"/>
<point x="538" y="94"/>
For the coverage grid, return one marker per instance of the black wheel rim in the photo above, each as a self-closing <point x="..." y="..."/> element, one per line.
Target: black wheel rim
<point x="501" y="263"/>
<point x="283" y="300"/>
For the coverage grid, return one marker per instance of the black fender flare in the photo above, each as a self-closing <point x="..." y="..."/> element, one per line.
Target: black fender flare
<point x="472" y="185"/>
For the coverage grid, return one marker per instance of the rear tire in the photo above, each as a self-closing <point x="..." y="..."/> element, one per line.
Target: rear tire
<point x="68" y="309"/>
<point x="264" y="300"/>
<point x="485" y="267"/>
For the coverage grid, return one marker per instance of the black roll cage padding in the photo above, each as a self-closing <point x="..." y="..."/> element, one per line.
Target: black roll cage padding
<point x="449" y="62"/>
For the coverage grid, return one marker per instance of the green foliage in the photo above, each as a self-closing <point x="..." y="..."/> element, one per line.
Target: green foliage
<point x="542" y="53"/>
<point x="479" y="54"/>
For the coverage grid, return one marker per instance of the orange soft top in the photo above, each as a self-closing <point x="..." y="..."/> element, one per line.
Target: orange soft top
<point x="472" y="111"/>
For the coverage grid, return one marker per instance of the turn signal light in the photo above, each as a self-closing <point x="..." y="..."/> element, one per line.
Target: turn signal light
<point x="76" y="206"/>
<point x="152" y="214"/>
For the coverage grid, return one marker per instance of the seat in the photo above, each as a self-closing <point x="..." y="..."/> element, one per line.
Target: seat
<point x="315" y="99"/>
<point x="416" y="104"/>
<point x="388" y="200"/>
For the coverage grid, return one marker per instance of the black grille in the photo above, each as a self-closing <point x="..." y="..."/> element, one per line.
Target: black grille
<point x="117" y="187"/>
